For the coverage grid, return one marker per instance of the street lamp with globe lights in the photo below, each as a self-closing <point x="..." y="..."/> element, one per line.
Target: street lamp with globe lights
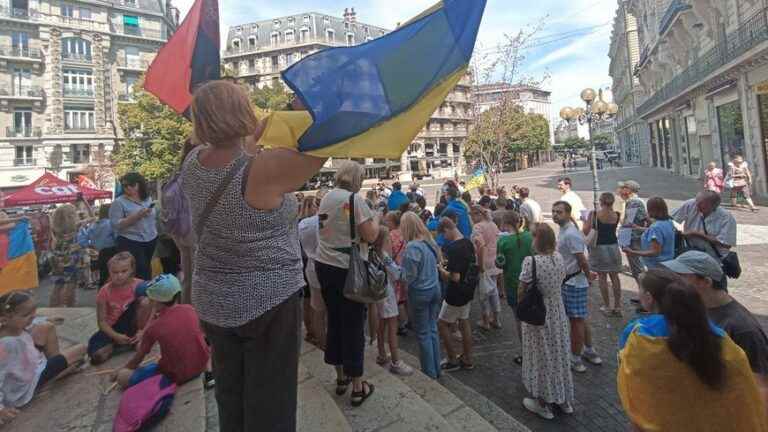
<point x="597" y="110"/>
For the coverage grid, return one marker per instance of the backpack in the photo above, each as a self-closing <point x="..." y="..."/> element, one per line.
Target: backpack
<point x="176" y="212"/>
<point x="143" y="405"/>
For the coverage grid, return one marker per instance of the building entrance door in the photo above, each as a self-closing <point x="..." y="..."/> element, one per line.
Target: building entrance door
<point x="762" y="103"/>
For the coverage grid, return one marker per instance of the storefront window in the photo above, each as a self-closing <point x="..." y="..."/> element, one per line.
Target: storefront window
<point x="731" y="124"/>
<point x="694" y="146"/>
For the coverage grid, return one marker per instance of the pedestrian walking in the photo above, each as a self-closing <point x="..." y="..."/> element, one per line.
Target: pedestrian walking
<point x="422" y="257"/>
<point x="135" y="223"/>
<point x="572" y="198"/>
<point x="530" y="210"/>
<point x="740" y="182"/>
<point x="68" y="257"/>
<point x="546" y="352"/>
<point x="575" y="286"/>
<point x="678" y="372"/>
<point x="248" y="270"/>
<point x="101" y="237"/>
<point x="605" y="256"/>
<point x="345" y="341"/>
<point x="712" y="178"/>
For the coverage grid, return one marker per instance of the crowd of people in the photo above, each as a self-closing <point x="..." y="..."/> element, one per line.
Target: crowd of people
<point x="265" y="257"/>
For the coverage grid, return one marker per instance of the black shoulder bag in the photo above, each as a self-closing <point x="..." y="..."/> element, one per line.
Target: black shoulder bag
<point x="530" y="308"/>
<point x="730" y="262"/>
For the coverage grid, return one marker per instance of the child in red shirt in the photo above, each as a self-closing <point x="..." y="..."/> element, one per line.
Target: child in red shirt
<point x="121" y="309"/>
<point x="176" y="328"/>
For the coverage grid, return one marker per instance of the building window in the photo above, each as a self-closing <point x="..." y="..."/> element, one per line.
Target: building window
<point x="350" y="39"/>
<point x="289" y="36"/>
<point x="78" y="120"/>
<point x="131" y="3"/>
<point x="274" y="38"/>
<point x="252" y="42"/>
<point x="330" y="36"/>
<point x="85" y="14"/>
<point x="21" y="82"/>
<point x="236" y="45"/>
<point x="131" y="25"/>
<point x="22" y="123"/>
<point x="130" y="82"/>
<point x="275" y="64"/>
<point x="289" y="59"/>
<point x="304" y="34"/>
<point x="306" y="19"/>
<point x="78" y="82"/>
<point x="290" y="20"/>
<point x="80" y="153"/>
<point x="23" y="155"/>
<point x="251" y="65"/>
<point x="275" y="82"/>
<point x="20" y="43"/>
<point x="276" y="23"/>
<point x="76" y="49"/>
<point x="67" y="10"/>
<point x="133" y="57"/>
<point x="731" y="123"/>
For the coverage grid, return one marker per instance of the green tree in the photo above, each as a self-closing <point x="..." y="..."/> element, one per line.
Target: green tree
<point x="270" y="98"/>
<point x="154" y="135"/>
<point x="574" y="144"/>
<point x="602" y="141"/>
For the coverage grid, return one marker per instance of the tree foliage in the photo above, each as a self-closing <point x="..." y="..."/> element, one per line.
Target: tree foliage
<point x="270" y="98"/>
<point x="602" y="141"/>
<point x="574" y="144"/>
<point x="499" y="136"/>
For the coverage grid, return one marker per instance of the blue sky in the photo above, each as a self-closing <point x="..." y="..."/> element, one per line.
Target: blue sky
<point x="572" y="45"/>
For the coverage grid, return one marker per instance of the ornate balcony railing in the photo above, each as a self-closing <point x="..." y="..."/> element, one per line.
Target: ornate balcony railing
<point x="18" y="13"/>
<point x="456" y="133"/>
<point x="22" y="91"/>
<point x="137" y="31"/>
<point x="77" y="57"/>
<point x="78" y="91"/>
<point x="23" y="132"/>
<point x="753" y="32"/>
<point x="675" y="8"/>
<point x="132" y="63"/>
<point x="20" y="52"/>
<point x="24" y="162"/>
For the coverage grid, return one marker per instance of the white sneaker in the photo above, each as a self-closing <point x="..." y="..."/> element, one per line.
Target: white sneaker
<point x="566" y="408"/>
<point x="592" y="357"/>
<point x="400" y="368"/>
<point x="533" y="406"/>
<point x="578" y="366"/>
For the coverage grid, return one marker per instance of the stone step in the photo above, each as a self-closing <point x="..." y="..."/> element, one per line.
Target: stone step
<point x="83" y="402"/>
<point x="393" y="407"/>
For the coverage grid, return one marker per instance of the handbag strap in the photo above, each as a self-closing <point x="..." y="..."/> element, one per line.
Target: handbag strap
<point x="533" y="271"/>
<point x="352" y="217"/>
<point x="215" y="198"/>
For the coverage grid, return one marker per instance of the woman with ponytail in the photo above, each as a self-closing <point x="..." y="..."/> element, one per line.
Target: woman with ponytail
<point x="678" y="371"/>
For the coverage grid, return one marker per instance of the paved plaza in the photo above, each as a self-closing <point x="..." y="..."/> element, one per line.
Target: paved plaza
<point x="597" y="406"/>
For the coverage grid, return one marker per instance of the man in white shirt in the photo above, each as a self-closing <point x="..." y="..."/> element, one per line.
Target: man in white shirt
<point x="569" y="196"/>
<point x="571" y="245"/>
<point x="530" y="210"/>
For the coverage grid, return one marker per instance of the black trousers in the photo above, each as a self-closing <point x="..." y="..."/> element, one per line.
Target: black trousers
<point x="104" y="257"/>
<point x="345" y="341"/>
<point x="256" y="370"/>
<point x="142" y="252"/>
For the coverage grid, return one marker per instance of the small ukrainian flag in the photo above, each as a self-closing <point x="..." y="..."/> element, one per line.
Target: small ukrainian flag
<point x="477" y="180"/>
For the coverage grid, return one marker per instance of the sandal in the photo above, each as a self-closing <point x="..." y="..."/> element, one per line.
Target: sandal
<point x="518" y="360"/>
<point x="341" y="385"/>
<point x="358" y="398"/>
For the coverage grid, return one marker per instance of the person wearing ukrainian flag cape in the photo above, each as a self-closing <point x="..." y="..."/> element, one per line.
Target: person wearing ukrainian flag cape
<point x="680" y="372"/>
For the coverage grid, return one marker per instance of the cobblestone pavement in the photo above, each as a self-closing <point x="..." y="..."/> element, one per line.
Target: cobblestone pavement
<point x="597" y="405"/>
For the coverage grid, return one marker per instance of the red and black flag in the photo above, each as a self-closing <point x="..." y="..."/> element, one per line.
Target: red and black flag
<point x="188" y="59"/>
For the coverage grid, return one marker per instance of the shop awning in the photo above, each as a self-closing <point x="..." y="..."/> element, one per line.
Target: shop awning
<point x="50" y="189"/>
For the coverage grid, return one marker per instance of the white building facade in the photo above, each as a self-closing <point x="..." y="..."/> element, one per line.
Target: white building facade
<point x="532" y="100"/>
<point x="703" y="75"/>
<point x="258" y="52"/>
<point x="64" y="68"/>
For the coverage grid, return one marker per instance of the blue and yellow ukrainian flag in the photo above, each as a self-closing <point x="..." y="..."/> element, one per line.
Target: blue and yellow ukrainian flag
<point x="20" y="269"/>
<point x="661" y="393"/>
<point x="477" y="180"/>
<point x="371" y="100"/>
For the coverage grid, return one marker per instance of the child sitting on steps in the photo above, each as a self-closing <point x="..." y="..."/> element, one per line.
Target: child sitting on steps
<point x="176" y="328"/>
<point x="121" y="309"/>
<point x="29" y="353"/>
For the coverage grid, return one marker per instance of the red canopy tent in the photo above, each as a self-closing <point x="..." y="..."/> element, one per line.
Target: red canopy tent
<point x="50" y="189"/>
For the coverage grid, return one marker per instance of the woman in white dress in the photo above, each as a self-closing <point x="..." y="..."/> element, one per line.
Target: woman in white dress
<point x="546" y="349"/>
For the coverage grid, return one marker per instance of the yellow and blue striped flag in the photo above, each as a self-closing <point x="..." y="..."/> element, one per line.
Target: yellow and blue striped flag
<point x="371" y="100"/>
<point x="477" y="180"/>
<point x="18" y="266"/>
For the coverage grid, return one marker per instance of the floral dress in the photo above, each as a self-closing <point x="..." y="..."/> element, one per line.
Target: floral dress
<point x="547" y="349"/>
<point x="68" y="263"/>
<point x="398" y="247"/>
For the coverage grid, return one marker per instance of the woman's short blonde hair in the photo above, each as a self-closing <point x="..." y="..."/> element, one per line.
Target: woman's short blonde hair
<point x="221" y="112"/>
<point x="412" y="227"/>
<point x="350" y="176"/>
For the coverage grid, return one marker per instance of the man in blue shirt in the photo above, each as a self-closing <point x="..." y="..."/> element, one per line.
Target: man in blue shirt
<point x="397" y="198"/>
<point x="456" y="207"/>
